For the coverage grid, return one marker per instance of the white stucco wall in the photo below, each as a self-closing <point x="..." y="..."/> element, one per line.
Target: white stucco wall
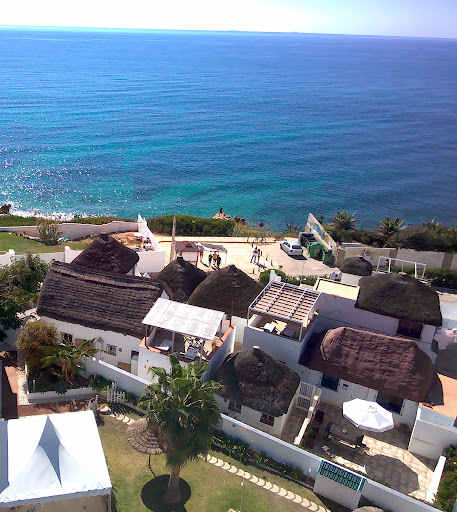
<point x="283" y="349"/>
<point x="348" y="391"/>
<point x="432" y="434"/>
<point x="350" y="279"/>
<point x="240" y="323"/>
<point x="125" y="344"/>
<point x="431" y="258"/>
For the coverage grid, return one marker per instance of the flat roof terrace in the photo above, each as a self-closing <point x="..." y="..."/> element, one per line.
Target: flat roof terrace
<point x="285" y="301"/>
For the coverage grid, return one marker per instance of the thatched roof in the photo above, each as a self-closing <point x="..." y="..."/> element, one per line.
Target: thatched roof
<point x="105" y="253"/>
<point x="356" y="265"/>
<point x="100" y="300"/>
<point x="254" y="379"/>
<point x="182" y="277"/>
<point x="229" y="290"/>
<point x="395" y="366"/>
<point x="143" y="438"/>
<point x="400" y="296"/>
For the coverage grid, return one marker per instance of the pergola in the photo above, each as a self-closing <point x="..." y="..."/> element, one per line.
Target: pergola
<point x="184" y="319"/>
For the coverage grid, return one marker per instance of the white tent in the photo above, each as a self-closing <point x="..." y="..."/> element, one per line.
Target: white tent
<point x="51" y="458"/>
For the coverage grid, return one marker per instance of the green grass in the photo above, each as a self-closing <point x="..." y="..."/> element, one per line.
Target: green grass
<point x="17" y="220"/>
<point x="211" y="488"/>
<point x="22" y="245"/>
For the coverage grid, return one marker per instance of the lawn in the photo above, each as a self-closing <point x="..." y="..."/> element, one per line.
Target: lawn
<point x="211" y="488"/>
<point x="22" y="245"/>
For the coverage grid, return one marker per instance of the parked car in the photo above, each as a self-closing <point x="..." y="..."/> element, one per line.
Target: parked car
<point x="291" y="248"/>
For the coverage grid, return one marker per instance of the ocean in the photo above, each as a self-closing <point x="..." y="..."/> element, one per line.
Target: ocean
<point x="267" y="126"/>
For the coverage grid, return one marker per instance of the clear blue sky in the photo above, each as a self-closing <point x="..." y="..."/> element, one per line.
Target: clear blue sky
<point x="422" y="18"/>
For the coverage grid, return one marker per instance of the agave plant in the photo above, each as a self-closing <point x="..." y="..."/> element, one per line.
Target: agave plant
<point x="344" y="220"/>
<point x="292" y="228"/>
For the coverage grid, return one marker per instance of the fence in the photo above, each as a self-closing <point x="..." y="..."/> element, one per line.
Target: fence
<point x="113" y="396"/>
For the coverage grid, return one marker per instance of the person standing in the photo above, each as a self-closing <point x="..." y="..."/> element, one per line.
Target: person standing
<point x="210" y="259"/>
<point x="214" y="258"/>
<point x="254" y="256"/>
<point x="218" y="262"/>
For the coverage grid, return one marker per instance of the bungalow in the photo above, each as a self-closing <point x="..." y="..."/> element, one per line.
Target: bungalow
<point x="87" y="304"/>
<point x="257" y="389"/>
<point x="350" y="363"/>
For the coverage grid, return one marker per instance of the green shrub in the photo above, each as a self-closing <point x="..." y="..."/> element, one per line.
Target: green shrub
<point x="443" y="277"/>
<point x="186" y="225"/>
<point x="447" y="490"/>
<point x="41" y="385"/>
<point x="61" y="387"/>
<point x="130" y="398"/>
<point x="98" y="383"/>
<point x="264" y="278"/>
<point x="420" y="238"/>
<point x="17" y="220"/>
<point x="97" y="220"/>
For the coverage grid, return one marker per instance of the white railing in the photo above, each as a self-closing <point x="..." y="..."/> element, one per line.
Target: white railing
<point x="385" y="265"/>
<point x="312" y="409"/>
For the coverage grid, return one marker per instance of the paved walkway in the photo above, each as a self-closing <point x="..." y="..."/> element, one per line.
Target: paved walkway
<point x="280" y="491"/>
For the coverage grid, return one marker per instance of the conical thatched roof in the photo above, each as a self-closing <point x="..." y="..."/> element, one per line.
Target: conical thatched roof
<point x="400" y="296"/>
<point x="182" y="277"/>
<point x="229" y="290"/>
<point x="105" y="253"/>
<point x="357" y="266"/>
<point x="254" y="379"/>
<point x="395" y="366"/>
<point x="143" y="438"/>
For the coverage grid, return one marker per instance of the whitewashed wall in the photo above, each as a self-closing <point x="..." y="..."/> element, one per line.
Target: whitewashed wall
<point x="431" y="258"/>
<point x="252" y="417"/>
<point x="7" y="258"/>
<point x="283" y="349"/>
<point x="348" y="391"/>
<point x="223" y="351"/>
<point x="124" y="380"/>
<point x="121" y="341"/>
<point x="372" y="254"/>
<point x="240" y="323"/>
<point x="73" y="231"/>
<point x="148" y="358"/>
<point x="432" y="434"/>
<point x="150" y="262"/>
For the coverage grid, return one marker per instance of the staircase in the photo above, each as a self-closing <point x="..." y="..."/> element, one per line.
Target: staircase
<point x="293" y="425"/>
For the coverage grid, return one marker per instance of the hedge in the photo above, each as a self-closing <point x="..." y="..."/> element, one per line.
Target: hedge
<point x="186" y="225"/>
<point x="447" y="490"/>
<point x="264" y="278"/>
<point x="17" y="220"/>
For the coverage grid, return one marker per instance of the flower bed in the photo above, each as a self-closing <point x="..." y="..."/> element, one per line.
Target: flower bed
<point x="447" y="490"/>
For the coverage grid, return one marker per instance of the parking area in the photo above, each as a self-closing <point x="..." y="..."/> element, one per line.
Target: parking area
<point x="239" y="253"/>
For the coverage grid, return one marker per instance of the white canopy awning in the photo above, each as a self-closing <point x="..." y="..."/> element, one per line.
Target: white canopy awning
<point x="368" y="415"/>
<point x="51" y="457"/>
<point x="184" y="319"/>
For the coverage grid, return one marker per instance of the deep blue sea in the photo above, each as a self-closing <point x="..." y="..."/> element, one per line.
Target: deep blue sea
<point x="270" y="127"/>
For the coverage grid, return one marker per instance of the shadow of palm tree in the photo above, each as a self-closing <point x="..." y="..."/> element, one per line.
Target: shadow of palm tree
<point x="154" y="490"/>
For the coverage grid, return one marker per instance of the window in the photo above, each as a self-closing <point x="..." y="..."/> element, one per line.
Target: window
<point x="66" y="338"/>
<point x="267" y="419"/>
<point x="233" y="406"/>
<point x="391" y="403"/>
<point x="410" y="329"/>
<point x="330" y="382"/>
<point x="111" y="350"/>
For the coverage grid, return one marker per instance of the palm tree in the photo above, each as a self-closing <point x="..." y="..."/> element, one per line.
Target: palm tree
<point x="344" y="220"/>
<point x="67" y="356"/>
<point x="388" y="226"/>
<point x="182" y="408"/>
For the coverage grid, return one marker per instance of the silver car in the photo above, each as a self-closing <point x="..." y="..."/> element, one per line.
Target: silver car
<point x="291" y="248"/>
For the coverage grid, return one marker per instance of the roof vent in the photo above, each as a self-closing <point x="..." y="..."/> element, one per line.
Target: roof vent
<point x="256" y="347"/>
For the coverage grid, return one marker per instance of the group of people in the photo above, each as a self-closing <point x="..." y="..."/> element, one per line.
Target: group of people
<point x="214" y="259"/>
<point x="255" y="258"/>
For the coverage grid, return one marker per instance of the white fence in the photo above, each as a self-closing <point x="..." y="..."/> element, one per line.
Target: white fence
<point x="113" y="396"/>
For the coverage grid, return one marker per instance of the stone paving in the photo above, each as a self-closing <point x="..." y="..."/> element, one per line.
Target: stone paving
<point x="386" y="458"/>
<point x="280" y="491"/>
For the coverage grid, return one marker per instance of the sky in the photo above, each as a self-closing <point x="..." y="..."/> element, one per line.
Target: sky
<point x="418" y="18"/>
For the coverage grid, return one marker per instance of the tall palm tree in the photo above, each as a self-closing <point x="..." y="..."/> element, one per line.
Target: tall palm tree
<point x="182" y="407"/>
<point x="344" y="220"/>
<point x="68" y="357"/>
<point x="388" y="226"/>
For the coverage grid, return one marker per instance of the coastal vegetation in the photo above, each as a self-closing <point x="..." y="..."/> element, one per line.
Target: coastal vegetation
<point x="264" y="278"/>
<point x="49" y="231"/>
<point x="23" y="245"/>
<point x="32" y="341"/>
<point x="186" y="225"/>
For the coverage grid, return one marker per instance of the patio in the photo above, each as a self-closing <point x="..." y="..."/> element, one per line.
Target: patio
<point x="385" y="459"/>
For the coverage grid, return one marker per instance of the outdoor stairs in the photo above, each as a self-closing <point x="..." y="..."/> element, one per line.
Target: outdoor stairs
<point x="293" y="424"/>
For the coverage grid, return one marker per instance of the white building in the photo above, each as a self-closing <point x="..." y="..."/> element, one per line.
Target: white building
<point x="86" y="304"/>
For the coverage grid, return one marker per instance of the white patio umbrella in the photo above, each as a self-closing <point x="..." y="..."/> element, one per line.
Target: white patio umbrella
<point x="368" y="415"/>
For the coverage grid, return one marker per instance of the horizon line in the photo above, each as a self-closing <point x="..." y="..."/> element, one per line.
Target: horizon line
<point x="228" y="31"/>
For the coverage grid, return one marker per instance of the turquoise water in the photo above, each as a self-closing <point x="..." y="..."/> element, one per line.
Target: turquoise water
<point x="268" y="126"/>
